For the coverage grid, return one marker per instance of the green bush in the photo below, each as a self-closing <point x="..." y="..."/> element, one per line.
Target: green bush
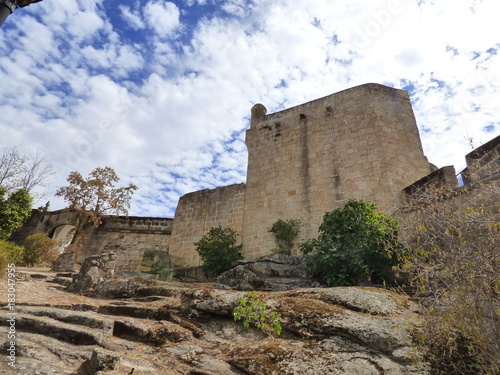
<point x="161" y="268"/>
<point x="218" y="250"/>
<point x="254" y="312"/>
<point x="40" y="249"/>
<point x="13" y="254"/>
<point x="354" y="243"/>
<point x="14" y="210"/>
<point x="285" y="233"/>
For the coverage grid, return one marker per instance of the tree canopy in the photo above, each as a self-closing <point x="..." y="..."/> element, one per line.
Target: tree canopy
<point x="353" y="242"/>
<point x="96" y="196"/>
<point x="14" y="210"/>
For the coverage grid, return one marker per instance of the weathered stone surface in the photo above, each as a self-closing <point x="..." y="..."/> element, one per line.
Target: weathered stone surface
<point x="126" y="288"/>
<point x="101" y="360"/>
<point x="276" y="272"/>
<point x="54" y="328"/>
<point x="155" y="332"/>
<point x="372" y="338"/>
<point x="79" y="318"/>
<point x="93" y="271"/>
<point x="65" y="263"/>
<point x="192" y="331"/>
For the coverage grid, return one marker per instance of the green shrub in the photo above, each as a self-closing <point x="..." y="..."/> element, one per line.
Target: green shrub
<point x="354" y="242"/>
<point x="40" y="249"/>
<point x="285" y="233"/>
<point x="14" y="254"/>
<point x="254" y="312"/>
<point x="218" y="250"/>
<point x="14" y="210"/>
<point x="161" y="268"/>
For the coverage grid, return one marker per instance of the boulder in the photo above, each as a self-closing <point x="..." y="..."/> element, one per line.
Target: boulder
<point x="275" y="272"/>
<point x="101" y="360"/>
<point x="65" y="263"/>
<point x="93" y="271"/>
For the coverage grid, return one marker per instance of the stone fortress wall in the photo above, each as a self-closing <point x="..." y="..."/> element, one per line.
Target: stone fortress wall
<point x="197" y="212"/>
<point x="134" y="239"/>
<point x="360" y="143"/>
<point x="304" y="161"/>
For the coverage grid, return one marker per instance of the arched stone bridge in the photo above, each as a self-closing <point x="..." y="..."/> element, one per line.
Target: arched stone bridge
<point x="135" y="240"/>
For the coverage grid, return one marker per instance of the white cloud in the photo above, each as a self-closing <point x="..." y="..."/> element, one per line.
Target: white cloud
<point x="163" y="17"/>
<point x="133" y="18"/>
<point x="167" y="106"/>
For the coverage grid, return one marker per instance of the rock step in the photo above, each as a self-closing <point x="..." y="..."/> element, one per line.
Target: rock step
<point x="144" y="327"/>
<point x="152" y="332"/>
<point x="54" y="328"/>
<point x="64" y="281"/>
<point x="80" y="318"/>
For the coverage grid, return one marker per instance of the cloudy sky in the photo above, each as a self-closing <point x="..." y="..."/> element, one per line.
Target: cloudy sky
<point x="161" y="90"/>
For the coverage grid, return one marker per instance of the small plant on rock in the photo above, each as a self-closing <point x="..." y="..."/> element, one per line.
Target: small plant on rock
<point x="254" y="312"/>
<point x="285" y="233"/>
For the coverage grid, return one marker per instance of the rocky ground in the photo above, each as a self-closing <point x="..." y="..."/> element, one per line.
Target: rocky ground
<point x="137" y="327"/>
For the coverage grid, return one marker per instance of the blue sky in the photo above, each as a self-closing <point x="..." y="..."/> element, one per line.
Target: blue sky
<point x="161" y="91"/>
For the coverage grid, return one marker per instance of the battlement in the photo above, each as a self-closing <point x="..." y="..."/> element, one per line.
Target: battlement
<point x="483" y="162"/>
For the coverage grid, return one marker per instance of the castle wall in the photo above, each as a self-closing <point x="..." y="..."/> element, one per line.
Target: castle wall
<point x="483" y="162"/>
<point x="361" y="143"/>
<point x="304" y="161"/>
<point x="131" y="238"/>
<point x="197" y="212"/>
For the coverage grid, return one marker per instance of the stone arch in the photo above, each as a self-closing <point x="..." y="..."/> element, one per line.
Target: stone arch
<point x="63" y="234"/>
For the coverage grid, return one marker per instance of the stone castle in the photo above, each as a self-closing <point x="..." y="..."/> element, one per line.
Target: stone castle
<point x="360" y="143"/>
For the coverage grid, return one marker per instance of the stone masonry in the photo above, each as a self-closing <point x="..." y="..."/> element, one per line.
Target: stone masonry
<point x="304" y="161"/>
<point x="360" y="143"/>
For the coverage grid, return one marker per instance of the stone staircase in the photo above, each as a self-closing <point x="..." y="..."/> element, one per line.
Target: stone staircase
<point x="177" y="329"/>
<point x="119" y="337"/>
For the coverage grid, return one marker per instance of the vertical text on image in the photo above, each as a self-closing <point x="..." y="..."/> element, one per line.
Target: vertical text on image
<point x="11" y="315"/>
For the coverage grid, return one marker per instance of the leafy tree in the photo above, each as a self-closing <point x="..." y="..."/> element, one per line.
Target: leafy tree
<point x="14" y="210"/>
<point x="96" y="196"/>
<point x="218" y="250"/>
<point x="40" y="249"/>
<point x="353" y="243"/>
<point x="19" y="171"/>
<point x="285" y="233"/>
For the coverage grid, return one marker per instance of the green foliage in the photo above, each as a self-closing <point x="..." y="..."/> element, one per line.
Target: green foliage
<point x="40" y="249"/>
<point x="254" y="312"/>
<point x="285" y="233"/>
<point x="96" y="196"/>
<point x="161" y="267"/>
<point x="454" y="265"/>
<point x="13" y="253"/>
<point x="14" y="210"/>
<point x="218" y="250"/>
<point x="353" y="243"/>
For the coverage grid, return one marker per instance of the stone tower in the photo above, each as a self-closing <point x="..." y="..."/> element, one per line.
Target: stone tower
<point x="304" y="161"/>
